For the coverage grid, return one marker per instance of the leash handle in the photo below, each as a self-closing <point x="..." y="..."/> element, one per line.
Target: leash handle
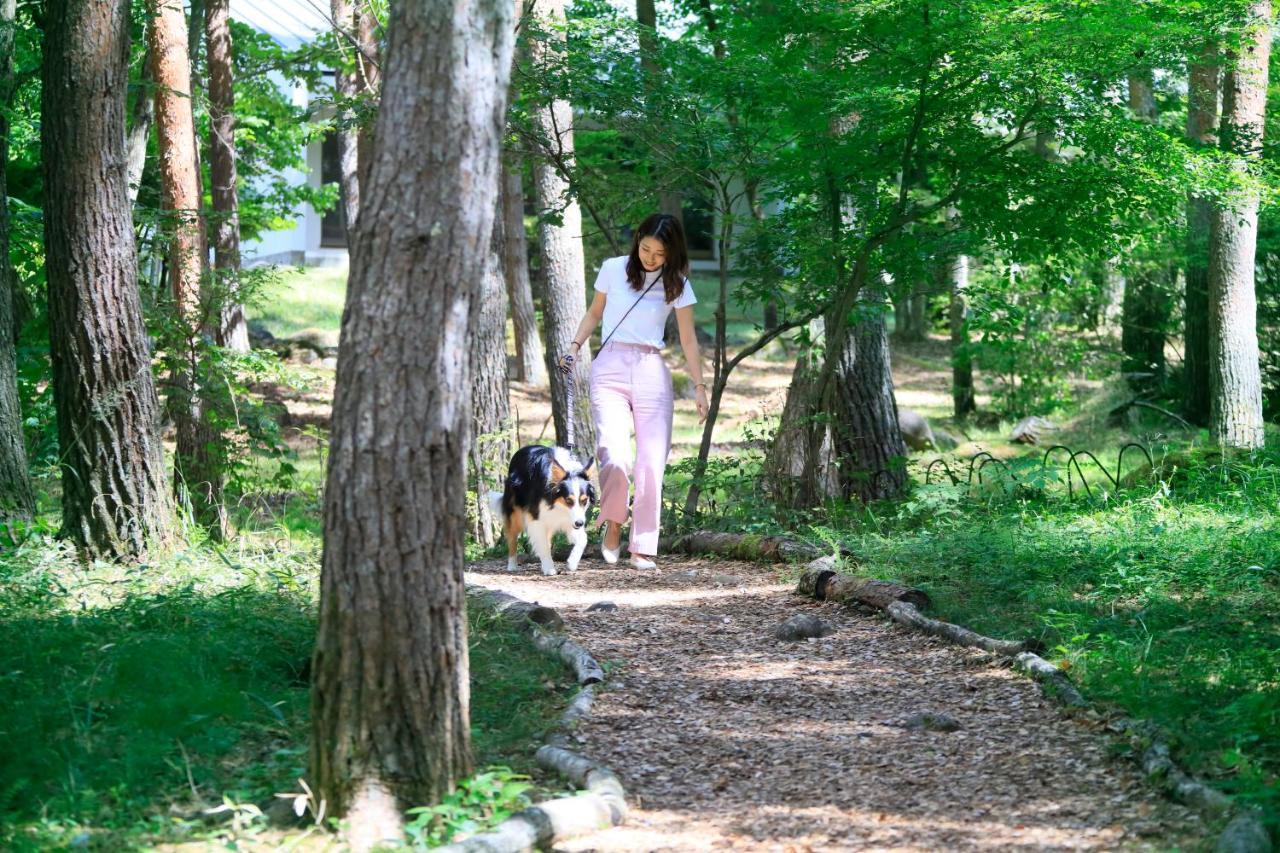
<point x="567" y="364"/>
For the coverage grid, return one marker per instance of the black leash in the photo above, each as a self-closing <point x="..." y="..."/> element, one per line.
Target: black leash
<point x="567" y="363"/>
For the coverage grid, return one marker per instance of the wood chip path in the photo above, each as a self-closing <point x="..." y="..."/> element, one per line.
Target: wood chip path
<point x="727" y="739"/>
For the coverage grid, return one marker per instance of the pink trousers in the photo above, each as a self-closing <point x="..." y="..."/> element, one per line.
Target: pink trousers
<point x="631" y="390"/>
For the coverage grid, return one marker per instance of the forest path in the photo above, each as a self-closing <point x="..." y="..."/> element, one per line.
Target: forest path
<point x="727" y="739"/>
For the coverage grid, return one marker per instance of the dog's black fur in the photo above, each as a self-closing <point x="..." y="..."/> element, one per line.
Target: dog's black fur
<point x="546" y="492"/>
<point x="530" y="482"/>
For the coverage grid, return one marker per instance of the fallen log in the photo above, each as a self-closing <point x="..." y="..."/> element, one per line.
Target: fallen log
<point x="820" y="580"/>
<point x="516" y="609"/>
<point x="577" y="658"/>
<point x="1055" y="683"/>
<point x="743" y="546"/>
<point x="905" y="613"/>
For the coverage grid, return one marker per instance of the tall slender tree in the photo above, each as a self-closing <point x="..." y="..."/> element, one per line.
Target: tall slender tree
<point x="368" y="57"/>
<point x="347" y="86"/>
<point x="199" y="476"/>
<point x="140" y="119"/>
<point x="957" y="275"/>
<point x="491" y="445"/>
<point x="530" y="366"/>
<point x="115" y="499"/>
<point x="1235" y="379"/>
<point x="232" y="331"/>
<point x="16" y="495"/>
<point x="560" y="244"/>
<point x="1202" y="122"/>
<point x="390" y="723"/>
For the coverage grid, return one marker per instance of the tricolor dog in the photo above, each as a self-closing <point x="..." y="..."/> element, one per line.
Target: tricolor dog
<point x="546" y="492"/>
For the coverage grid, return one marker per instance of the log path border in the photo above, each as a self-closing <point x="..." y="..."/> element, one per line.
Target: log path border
<point x="820" y="579"/>
<point x="601" y="801"/>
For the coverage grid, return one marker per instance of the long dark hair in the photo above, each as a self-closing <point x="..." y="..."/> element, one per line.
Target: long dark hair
<point x="665" y="228"/>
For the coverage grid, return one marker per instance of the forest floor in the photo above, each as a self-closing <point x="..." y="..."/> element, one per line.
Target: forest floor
<point x="726" y="738"/>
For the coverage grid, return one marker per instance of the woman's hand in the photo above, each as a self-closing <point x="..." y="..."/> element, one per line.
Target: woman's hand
<point x="700" y="397"/>
<point x="566" y="363"/>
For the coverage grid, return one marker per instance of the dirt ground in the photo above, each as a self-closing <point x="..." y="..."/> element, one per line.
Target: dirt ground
<point x="727" y="739"/>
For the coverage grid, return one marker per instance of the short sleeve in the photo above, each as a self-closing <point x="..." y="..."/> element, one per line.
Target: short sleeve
<point x="605" y="276"/>
<point x="686" y="298"/>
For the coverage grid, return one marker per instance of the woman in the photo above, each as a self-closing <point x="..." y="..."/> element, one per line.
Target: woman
<point x="630" y="383"/>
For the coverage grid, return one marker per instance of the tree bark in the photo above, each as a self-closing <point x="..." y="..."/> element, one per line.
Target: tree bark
<point x="491" y="445"/>
<point x="390" y="725"/>
<point x="115" y="501"/>
<point x="233" y="330"/>
<point x="1234" y="375"/>
<point x="370" y="86"/>
<point x="530" y="364"/>
<point x="962" y="396"/>
<point x="17" y="499"/>
<point x="564" y="301"/>
<point x="197" y="470"/>
<point x="143" y="114"/>
<point x="1202" y="121"/>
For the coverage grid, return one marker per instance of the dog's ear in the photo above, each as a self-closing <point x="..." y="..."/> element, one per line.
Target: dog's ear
<point x="586" y="469"/>
<point x="557" y="473"/>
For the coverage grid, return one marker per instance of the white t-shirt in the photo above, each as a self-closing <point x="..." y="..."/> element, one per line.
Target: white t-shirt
<point x="645" y="323"/>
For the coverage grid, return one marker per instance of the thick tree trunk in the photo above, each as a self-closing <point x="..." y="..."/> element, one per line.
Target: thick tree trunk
<point x="143" y="113"/>
<point x="530" y="364"/>
<point x="16" y="496"/>
<point x="1202" y="121"/>
<point x="490" y="394"/>
<point x="852" y="449"/>
<point x="1234" y="376"/>
<point x="233" y="331"/>
<point x="390" y="725"/>
<point x="962" y="396"/>
<point x="564" y="302"/>
<point x="114" y="497"/>
<point x="197" y="470"/>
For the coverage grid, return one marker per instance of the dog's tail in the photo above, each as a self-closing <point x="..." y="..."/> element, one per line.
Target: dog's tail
<point x="495" y="503"/>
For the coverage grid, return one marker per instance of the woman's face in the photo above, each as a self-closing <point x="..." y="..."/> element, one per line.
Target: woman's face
<point x="653" y="254"/>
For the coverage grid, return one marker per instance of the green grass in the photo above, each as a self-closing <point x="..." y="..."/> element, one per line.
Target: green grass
<point x="134" y="697"/>
<point x="308" y="300"/>
<point x="1162" y="600"/>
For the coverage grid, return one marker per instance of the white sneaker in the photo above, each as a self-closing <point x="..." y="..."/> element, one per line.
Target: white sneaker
<point x="642" y="562"/>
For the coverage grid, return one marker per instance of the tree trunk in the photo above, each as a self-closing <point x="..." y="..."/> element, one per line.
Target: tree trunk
<point x="564" y="302"/>
<point x="367" y="61"/>
<point x="962" y="396"/>
<point x="114" y="497"/>
<point x="233" y="331"/>
<point x="868" y="442"/>
<point x="144" y="111"/>
<point x="16" y="496"/>
<point x="346" y="85"/>
<point x="390" y="725"/>
<point x="197" y="471"/>
<point x="1202" y="120"/>
<point x="1234" y="376"/>
<point x="491" y="445"/>
<point x="852" y="448"/>
<point x="530" y="365"/>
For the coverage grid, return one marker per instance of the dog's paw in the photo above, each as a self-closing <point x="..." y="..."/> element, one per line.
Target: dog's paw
<point x="571" y="567"/>
<point x="512" y="565"/>
<point x="549" y="570"/>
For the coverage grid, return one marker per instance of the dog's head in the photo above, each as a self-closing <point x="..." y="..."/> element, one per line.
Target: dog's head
<point x="569" y="485"/>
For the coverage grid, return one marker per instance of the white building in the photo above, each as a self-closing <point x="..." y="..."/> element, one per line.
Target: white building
<point x="315" y="239"/>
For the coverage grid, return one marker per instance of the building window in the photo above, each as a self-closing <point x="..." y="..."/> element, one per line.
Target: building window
<point x="699" y="228"/>
<point x="333" y="226"/>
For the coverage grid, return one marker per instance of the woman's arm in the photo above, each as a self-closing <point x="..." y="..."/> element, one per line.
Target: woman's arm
<point x="692" y="358"/>
<point x="587" y="326"/>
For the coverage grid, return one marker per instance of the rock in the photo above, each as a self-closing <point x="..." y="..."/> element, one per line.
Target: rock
<point x="1030" y="430"/>
<point x="726" y="580"/>
<point x="803" y="626"/>
<point x="691" y="573"/>
<point x="932" y="721"/>
<point x="916" y="431"/>
<point x="1245" y="834"/>
<point x="260" y="337"/>
<point x="329" y="363"/>
<point x="602" y="607"/>
<point x="546" y="617"/>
